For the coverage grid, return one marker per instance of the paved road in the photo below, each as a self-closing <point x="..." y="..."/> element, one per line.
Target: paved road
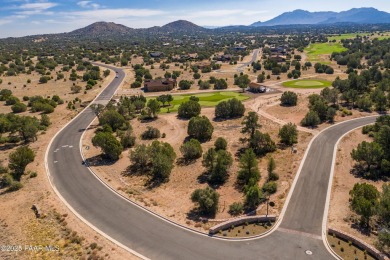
<point x="155" y="238"/>
<point x="254" y="57"/>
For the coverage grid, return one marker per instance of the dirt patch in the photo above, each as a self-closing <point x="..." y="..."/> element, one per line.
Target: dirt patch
<point x="18" y="223"/>
<point x="339" y="211"/>
<point x="172" y="199"/>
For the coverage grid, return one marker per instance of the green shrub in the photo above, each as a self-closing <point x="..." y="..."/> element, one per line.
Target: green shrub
<point x="151" y="133"/>
<point x="191" y="150"/>
<point x="270" y="187"/>
<point x="19" y="108"/>
<point x="220" y="144"/>
<point x="14" y="186"/>
<point x="236" y="209"/>
<point x="289" y="99"/>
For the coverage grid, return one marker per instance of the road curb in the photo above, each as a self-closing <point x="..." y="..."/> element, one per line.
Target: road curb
<point x="62" y="198"/>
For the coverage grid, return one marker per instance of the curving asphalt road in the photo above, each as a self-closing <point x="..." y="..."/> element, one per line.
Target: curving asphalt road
<point x="155" y="238"/>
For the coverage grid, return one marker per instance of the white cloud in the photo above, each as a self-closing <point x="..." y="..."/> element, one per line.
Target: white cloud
<point x="37" y="6"/>
<point x="88" y="4"/>
<point x="112" y="14"/>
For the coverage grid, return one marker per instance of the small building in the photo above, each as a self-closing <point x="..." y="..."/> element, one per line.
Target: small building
<point x="278" y="58"/>
<point x="156" y="54"/>
<point x="225" y="57"/>
<point x="239" y="48"/>
<point x="257" y="87"/>
<point x="159" y="85"/>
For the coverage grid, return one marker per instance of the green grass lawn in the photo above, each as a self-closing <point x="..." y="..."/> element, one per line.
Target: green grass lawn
<point x="205" y="99"/>
<point x="347" y="36"/>
<point x="338" y="38"/>
<point x="316" y="49"/>
<point x="307" y="83"/>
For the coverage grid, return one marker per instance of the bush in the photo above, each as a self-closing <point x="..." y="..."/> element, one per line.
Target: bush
<point x="185" y="84"/>
<point x="19" y="159"/>
<point x="113" y="119"/>
<point x="151" y="133"/>
<point x="288" y="134"/>
<point x="200" y="128"/>
<point x="220" y="84"/>
<point x="15" y="185"/>
<point x="12" y="100"/>
<point x="289" y="99"/>
<point x="136" y="84"/>
<point x="207" y="200"/>
<point x="220" y="144"/>
<point x="189" y="109"/>
<point x="19" y="108"/>
<point x="75" y="89"/>
<point x="110" y="146"/>
<point x="42" y="107"/>
<point x="6" y="180"/>
<point x="311" y="119"/>
<point x="270" y="187"/>
<point x="5" y="94"/>
<point x="191" y="150"/>
<point x="253" y="197"/>
<point x="229" y="109"/>
<point x="127" y="139"/>
<point x="236" y="209"/>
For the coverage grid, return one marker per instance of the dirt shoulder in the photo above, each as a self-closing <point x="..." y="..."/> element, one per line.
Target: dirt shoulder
<point x="340" y="214"/>
<point x="58" y="227"/>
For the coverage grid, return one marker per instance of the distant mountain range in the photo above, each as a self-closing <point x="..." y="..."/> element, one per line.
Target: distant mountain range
<point x="356" y="15"/>
<point x="108" y="28"/>
<point x="297" y="17"/>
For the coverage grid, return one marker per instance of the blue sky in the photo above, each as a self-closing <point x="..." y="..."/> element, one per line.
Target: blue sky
<point x="27" y="17"/>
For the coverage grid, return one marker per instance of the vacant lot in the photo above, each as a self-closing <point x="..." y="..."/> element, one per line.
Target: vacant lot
<point x="172" y="199"/>
<point x="206" y="99"/>
<point x="307" y="83"/>
<point x="340" y="214"/>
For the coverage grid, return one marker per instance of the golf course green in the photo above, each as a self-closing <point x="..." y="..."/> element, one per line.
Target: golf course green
<point x="315" y="50"/>
<point x="307" y="83"/>
<point x="210" y="99"/>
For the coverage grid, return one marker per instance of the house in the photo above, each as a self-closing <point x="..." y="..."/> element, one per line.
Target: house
<point x="226" y="57"/>
<point x="159" y="85"/>
<point x="156" y="54"/>
<point x="257" y="87"/>
<point x="278" y="58"/>
<point x="239" y="48"/>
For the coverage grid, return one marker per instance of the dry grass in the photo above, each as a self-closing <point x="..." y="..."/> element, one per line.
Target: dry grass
<point x="172" y="199"/>
<point x="19" y="225"/>
<point x="340" y="214"/>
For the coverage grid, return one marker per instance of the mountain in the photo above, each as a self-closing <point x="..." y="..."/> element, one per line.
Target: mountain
<point x="361" y="16"/>
<point x="356" y="15"/>
<point x="102" y="29"/>
<point x="182" y="26"/>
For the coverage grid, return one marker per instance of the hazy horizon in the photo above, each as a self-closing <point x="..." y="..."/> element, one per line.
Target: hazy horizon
<point x="30" y="17"/>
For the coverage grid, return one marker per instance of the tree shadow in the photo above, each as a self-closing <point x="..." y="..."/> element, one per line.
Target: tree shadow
<point x="98" y="160"/>
<point x="153" y="183"/>
<point x="197" y="216"/>
<point x="132" y="170"/>
<point x="360" y="171"/>
<point x="364" y="230"/>
<point x="203" y="178"/>
<point x="8" y="146"/>
<point x="185" y="162"/>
